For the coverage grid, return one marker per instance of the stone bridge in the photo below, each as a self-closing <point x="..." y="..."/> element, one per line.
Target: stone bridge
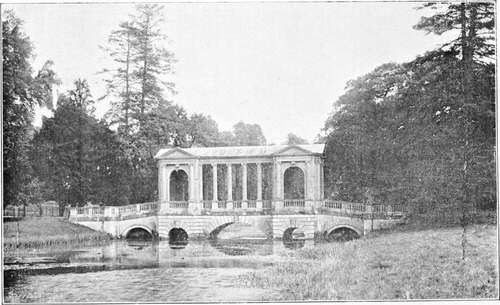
<point x="333" y="217"/>
<point x="278" y="190"/>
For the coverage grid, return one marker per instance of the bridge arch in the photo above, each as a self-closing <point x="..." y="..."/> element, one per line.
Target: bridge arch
<point x="288" y="233"/>
<point x="178" y="235"/>
<point x="342" y="232"/>
<point x="136" y="228"/>
<point x="219" y="224"/>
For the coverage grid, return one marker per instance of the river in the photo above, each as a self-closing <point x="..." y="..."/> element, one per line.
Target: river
<point x="141" y="271"/>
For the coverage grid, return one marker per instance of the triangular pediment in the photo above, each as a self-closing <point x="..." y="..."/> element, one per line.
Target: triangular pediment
<point x="293" y="151"/>
<point x="174" y="153"/>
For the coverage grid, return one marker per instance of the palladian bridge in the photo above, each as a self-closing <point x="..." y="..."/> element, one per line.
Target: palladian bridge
<point x="276" y="190"/>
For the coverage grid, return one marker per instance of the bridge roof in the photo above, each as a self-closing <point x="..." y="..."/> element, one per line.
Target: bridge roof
<point x="240" y="151"/>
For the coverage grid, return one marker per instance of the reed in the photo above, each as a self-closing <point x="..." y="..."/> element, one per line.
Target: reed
<point x="48" y="232"/>
<point x="423" y="264"/>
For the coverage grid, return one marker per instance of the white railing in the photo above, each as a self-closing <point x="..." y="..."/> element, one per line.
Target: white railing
<point x="221" y="204"/>
<point x="299" y="203"/>
<point x="267" y="204"/>
<point x="207" y="204"/>
<point x="252" y="204"/>
<point x="237" y="204"/>
<point x="336" y="206"/>
<point x="345" y="205"/>
<point x="178" y="204"/>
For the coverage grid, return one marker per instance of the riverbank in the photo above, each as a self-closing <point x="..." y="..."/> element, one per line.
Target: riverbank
<point x="424" y="264"/>
<point x="40" y="232"/>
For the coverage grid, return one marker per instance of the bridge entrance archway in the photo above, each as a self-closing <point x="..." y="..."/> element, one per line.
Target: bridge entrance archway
<point x="342" y="234"/>
<point x="178" y="237"/>
<point x="179" y="185"/>
<point x="294" y="183"/>
<point x="293" y="238"/>
<point x="138" y="233"/>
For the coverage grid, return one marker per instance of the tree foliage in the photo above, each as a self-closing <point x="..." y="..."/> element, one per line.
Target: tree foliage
<point x="22" y="92"/>
<point x="78" y="158"/>
<point x="422" y="132"/>
<point x="292" y="139"/>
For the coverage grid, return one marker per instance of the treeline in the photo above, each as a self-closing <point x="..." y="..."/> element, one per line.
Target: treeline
<point x="422" y="132"/>
<point x="75" y="158"/>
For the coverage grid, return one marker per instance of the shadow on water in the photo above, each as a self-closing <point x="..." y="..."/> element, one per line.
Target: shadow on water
<point x="242" y="247"/>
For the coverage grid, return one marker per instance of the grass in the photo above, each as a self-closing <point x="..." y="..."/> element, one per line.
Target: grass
<point x="424" y="264"/>
<point x="46" y="232"/>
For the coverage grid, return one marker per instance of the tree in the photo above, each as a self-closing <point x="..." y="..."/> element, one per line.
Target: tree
<point x="137" y="47"/>
<point x="77" y="158"/>
<point x="151" y="57"/>
<point x="120" y="83"/>
<point x="203" y="131"/>
<point x="248" y="134"/>
<point x="294" y="139"/>
<point x="411" y="133"/>
<point x="22" y="91"/>
<point x="475" y="22"/>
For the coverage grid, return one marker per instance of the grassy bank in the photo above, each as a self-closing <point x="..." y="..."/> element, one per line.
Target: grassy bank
<point x="45" y="232"/>
<point x="400" y="265"/>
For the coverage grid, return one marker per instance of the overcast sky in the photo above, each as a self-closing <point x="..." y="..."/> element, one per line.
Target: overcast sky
<point x="280" y="65"/>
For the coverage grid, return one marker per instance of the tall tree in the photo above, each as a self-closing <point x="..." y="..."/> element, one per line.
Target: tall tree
<point x="22" y="91"/>
<point x="151" y="58"/>
<point x="120" y="83"/>
<point x="295" y="139"/>
<point x="475" y="44"/>
<point x="138" y="81"/>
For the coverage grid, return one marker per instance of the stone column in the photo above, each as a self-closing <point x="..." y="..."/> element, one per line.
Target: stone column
<point x="229" y="181"/>
<point x="200" y="181"/>
<point x="214" y="182"/>
<point x="160" y="183"/>
<point x="166" y="174"/>
<point x="244" y="181"/>
<point x="259" y="181"/>
<point x="277" y="186"/>
<point x="244" y="197"/>
<point x="191" y="180"/>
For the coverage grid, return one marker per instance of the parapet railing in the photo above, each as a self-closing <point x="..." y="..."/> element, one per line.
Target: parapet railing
<point x="365" y="209"/>
<point x="176" y="207"/>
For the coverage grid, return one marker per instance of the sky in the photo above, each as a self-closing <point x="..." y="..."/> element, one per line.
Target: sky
<point x="281" y="65"/>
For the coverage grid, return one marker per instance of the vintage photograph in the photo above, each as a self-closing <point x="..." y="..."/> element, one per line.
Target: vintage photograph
<point x="235" y="152"/>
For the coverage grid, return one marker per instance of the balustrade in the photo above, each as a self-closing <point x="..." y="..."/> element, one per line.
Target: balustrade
<point x="178" y="204"/>
<point x="344" y="207"/>
<point x="221" y="204"/>
<point x="294" y="203"/>
<point x="207" y="204"/>
<point x="267" y="204"/>
<point x="252" y="204"/>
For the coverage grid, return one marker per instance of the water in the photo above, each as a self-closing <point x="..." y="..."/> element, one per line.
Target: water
<point x="122" y="271"/>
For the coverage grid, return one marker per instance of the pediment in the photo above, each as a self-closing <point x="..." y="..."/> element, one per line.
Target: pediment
<point x="175" y="153"/>
<point x="293" y="151"/>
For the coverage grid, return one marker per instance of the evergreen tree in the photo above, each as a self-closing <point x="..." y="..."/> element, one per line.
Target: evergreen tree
<point x="22" y="92"/>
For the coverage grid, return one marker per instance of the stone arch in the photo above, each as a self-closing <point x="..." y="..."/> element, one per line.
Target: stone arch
<point x="294" y="182"/>
<point x="213" y="228"/>
<point x="178" y="185"/>
<point x="357" y="232"/>
<point x="178" y="235"/>
<point x="126" y="232"/>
